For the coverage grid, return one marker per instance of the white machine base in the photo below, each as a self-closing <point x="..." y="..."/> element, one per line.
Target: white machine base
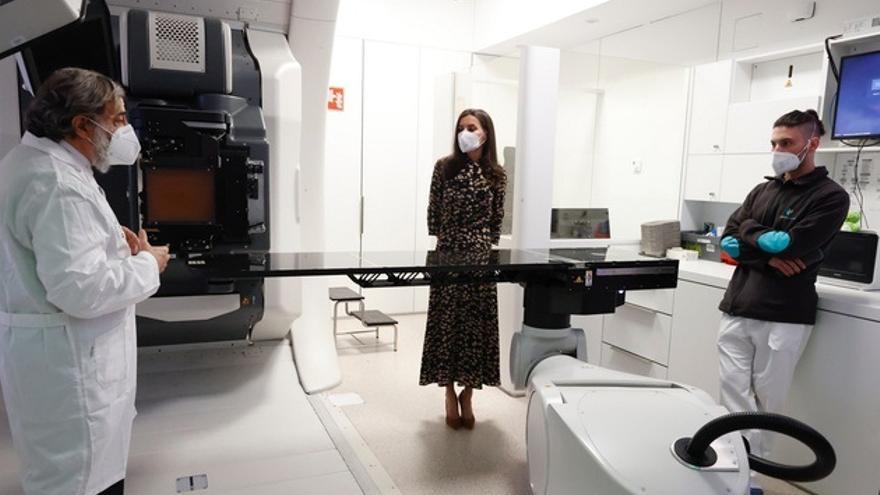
<point x="596" y="431"/>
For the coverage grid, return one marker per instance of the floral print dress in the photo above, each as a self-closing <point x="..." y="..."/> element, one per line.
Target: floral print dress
<point x="461" y="337"/>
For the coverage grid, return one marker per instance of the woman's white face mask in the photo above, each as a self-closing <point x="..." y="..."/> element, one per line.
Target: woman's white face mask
<point x="115" y="148"/>
<point x="469" y="140"/>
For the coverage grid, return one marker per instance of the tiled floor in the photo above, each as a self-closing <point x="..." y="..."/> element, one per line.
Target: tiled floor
<point x="402" y="423"/>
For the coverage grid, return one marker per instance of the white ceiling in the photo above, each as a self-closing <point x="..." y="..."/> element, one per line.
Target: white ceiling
<point x="578" y="32"/>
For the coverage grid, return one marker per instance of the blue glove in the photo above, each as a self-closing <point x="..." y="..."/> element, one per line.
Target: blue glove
<point x="730" y="245"/>
<point x="774" y="241"/>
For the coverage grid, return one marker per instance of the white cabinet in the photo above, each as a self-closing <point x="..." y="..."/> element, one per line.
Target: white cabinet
<point x="658" y="300"/>
<point x="749" y="123"/>
<point x="703" y="179"/>
<point x="693" y="354"/>
<point x="710" y="97"/>
<point x="619" y="359"/>
<point x="639" y="330"/>
<point x="592" y="326"/>
<point x="741" y="173"/>
<point x="635" y="338"/>
<point x="390" y="145"/>
<point x="835" y="392"/>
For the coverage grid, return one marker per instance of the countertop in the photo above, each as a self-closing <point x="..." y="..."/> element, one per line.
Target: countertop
<point x="842" y="300"/>
<point x="853" y="302"/>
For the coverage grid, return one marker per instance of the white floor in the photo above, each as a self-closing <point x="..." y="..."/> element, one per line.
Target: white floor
<point x="236" y="415"/>
<point x="239" y="416"/>
<point x="403" y="423"/>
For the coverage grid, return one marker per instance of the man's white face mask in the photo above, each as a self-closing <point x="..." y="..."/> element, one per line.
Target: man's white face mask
<point x="784" y="161"/>
<point x="469" y="141"/>
<point x="115" y="148"/>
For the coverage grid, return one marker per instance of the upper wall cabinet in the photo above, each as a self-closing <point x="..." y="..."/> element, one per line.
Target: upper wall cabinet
<point x="711" y="94"/>
<point x="749" y="123"/>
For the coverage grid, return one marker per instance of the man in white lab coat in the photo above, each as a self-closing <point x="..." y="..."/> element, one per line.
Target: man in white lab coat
<point x="69" y="279"/>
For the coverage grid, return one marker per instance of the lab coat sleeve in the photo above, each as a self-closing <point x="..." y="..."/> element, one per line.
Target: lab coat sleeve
<point x="749" y="253"/>
<point x="435" y="200"/>
<point x="498" y="208"/>
<point x="818" y="225"/>
<point x="72" y="261"/>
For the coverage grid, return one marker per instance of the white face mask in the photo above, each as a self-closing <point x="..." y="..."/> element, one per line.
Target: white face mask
<point x="469" y="141"/>
<point x="784" y="161"/>
<point x="123" y="148"/>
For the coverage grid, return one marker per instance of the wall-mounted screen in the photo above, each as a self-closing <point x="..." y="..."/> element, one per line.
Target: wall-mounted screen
<point x="857" y="114"/>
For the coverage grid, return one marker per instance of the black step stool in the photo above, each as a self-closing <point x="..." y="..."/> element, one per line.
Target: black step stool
<point x="371" y="319"/>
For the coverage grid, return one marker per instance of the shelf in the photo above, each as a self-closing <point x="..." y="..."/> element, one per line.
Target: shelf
<point x="849" y="149"/>
<point x="782" y="54"/>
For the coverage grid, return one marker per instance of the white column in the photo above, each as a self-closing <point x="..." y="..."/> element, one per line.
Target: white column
<point x="533" y="182"/>
<point x="312" y="27"/>
<point x="535" y="146"/>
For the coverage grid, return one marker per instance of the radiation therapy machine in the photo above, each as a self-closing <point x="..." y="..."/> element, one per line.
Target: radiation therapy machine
<point x="217" y="102"/>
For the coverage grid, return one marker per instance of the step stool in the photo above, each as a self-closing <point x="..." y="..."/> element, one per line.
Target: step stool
<point x="371" y="319"/>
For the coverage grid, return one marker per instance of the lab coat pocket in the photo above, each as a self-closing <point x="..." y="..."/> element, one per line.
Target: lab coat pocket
<point x="109" y="355"/>
<point x="39" y="367"/>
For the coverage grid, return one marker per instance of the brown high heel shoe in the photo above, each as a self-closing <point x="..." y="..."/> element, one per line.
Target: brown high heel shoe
<point x="468" y="423"/>
<point x="452" y="422"/>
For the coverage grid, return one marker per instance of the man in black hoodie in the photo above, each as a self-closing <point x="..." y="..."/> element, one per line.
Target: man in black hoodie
<point x="778" y="236"/>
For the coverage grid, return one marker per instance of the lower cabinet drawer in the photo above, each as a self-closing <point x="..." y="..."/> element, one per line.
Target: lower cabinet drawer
<point x="640" y="331"/>
<point x="660" y="300"/>
<point x="618" y="359"/>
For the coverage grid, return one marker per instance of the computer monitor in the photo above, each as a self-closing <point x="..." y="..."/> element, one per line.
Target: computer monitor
<point x="858" y="98"/>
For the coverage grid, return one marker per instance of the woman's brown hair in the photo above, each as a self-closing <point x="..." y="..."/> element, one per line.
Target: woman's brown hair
<point x="453" y="163"/>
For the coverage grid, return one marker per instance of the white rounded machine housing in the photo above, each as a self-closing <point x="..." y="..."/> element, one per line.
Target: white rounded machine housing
<point x="592" y="430"/>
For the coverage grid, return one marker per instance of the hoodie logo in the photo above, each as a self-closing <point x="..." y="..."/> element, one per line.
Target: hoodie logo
<point x="788" y="214"/>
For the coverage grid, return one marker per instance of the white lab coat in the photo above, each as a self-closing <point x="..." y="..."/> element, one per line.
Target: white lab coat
<point x="68" y="350"/>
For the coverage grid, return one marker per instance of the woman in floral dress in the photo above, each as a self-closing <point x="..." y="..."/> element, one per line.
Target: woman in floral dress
<point x="464" y="213"/>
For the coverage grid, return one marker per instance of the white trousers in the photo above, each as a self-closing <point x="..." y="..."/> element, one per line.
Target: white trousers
<point x="757" y="367"/>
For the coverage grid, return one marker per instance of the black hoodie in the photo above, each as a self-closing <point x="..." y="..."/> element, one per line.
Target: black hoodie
<point x="811" y="209"/>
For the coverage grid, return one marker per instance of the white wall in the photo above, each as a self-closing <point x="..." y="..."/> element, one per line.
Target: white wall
<point x="342" y="160"/>
<point x="642" y="118"/>
<point x="575" y="133"/>
<point x="579" y="97"/>
<point x="397" y="74"/>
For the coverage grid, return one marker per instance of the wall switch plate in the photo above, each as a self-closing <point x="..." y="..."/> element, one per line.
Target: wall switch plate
<point x="637" y="166"/>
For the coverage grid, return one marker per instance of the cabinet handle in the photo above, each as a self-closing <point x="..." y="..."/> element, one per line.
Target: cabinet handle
<point x="633" y="355"/>
<point x="644" y="309"/>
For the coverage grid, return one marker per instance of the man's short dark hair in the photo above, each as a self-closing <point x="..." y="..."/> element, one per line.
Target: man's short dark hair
<point x="808" y="119"/>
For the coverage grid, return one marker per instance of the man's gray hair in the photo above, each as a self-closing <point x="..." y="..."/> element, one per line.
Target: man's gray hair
<point x="65" y="94"/>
